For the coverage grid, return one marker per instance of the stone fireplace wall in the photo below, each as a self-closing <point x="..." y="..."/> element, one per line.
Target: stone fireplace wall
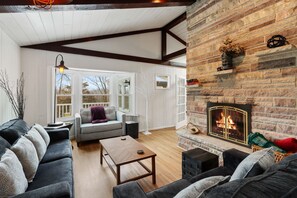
<point x="262" y="77"/>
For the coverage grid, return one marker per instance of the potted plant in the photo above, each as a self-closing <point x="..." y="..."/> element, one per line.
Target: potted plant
<point x="229" y="50"/>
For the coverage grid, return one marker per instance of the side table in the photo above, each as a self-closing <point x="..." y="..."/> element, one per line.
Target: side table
<point x="132" y="129"/>
<point x="196" y="161"/>
<point x="64" y="125"/>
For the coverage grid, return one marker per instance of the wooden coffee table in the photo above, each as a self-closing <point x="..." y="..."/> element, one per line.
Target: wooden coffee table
<point x="123" y="152"/>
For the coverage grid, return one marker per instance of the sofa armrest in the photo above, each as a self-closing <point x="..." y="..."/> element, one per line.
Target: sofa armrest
<point x="233" y="157"/>
<point x="128" y="190"/>
<point x="58" y="134"/>
<point x="122" y="117"/>
<point x="77" y="125"/>
<point x="58" y="190"/>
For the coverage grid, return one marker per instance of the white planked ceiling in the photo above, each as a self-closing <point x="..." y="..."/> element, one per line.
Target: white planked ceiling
<point x="42" y="27"/>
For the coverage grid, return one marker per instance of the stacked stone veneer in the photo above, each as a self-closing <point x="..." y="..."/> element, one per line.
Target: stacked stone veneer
<point x="263" y="77"/>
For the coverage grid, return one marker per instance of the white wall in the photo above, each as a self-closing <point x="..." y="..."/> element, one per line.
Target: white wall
<point x="9" y="61"/>
<point x="37" y="66"/>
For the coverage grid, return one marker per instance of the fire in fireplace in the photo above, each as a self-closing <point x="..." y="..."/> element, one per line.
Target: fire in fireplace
<point x="230" y="122"/>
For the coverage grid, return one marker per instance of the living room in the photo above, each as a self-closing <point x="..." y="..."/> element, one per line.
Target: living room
<point x="261" y="77"/>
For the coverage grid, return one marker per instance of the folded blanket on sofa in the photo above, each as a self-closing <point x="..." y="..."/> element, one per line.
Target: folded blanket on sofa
<point x="98" y="114"/>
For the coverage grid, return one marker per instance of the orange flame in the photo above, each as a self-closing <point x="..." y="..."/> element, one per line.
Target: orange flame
<point x="222" y="122"/>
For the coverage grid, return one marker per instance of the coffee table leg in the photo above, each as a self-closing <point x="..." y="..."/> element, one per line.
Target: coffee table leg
<point x="101" y="153"/>
<point x="118" y="175"/>
<point x="153" y="170"/>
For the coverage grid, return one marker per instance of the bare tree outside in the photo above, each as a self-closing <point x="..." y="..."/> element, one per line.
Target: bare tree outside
<point x="95" y="89"/>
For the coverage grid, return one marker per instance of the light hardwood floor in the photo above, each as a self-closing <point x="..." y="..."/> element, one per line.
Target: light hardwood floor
<point x="93" y="180"/>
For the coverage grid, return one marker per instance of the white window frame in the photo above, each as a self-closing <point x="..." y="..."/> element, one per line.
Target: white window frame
<point x="92" y="104"/>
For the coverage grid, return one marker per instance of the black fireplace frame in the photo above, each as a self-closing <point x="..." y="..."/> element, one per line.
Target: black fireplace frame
<point x="244" y="107"/>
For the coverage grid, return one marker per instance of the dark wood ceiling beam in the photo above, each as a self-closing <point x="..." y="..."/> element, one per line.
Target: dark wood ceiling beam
<point x="163" y="44"/>
<point x="177" y="38"/>
<point x="95" y="38"/>
<point x="175" y="55"/>
<point x="27" y="5"/>
<point x="72" y="50"/>
<point x="175" y="22"/>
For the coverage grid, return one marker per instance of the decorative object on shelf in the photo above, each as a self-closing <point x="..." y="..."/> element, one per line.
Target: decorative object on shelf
<point x="16" y="100"/>
<point x="229" y="51"/>
<point x="193" y="128"/>
<point x="61" y="68"/>
<point x="191" y="82"/>
<point x="277" y="41"/>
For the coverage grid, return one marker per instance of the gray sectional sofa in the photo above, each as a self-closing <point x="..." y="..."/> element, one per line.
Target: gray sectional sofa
<point x="279" y="181"/>
<point x="85" y="130"/>
<point x="54" y="176"/>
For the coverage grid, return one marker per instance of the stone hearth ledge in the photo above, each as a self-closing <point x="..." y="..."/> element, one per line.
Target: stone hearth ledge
<point x="188" y="141"/>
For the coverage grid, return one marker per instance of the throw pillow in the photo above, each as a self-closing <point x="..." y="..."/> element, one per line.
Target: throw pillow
<point x="264" y="158"/>
<point x="288" y="144"/>
<point x="196" y="189"/>
<point x="12" y="177"/>
<point x="86" y="116"/>
<point x="43" y="133"/>
<point x="110" y="113"/>
<point x="98" y="113"/>
<point x="27" y="155"/>
<point x="38" y="142"/>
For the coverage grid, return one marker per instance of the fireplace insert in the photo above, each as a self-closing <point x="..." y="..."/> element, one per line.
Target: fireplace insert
<point x="231" y="122"/>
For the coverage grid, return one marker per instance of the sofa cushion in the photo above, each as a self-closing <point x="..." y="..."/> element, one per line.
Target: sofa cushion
<point x="86" y="116"/>
<point x="52" y="173"/>
<point x="13" y="129"/>
<point x="259" y="160"/>
<point x="12" y="177"/>
<point x="196" y="189"/>
<point x="27" y="155"/>
<point x="38" y="142"/>
<point x="101" y="127"/>
<point x="276" y="182"/>
<point x="58" y="150"/>
<point x="169" y="190"/>
<point x="43" y="133"/>
<point x="4" y="143"/>
<point x="221" y="170"/>
<point x="110" y="113"/>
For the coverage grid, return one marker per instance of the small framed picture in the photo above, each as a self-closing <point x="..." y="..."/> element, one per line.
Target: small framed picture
<point x="162" y="81"/>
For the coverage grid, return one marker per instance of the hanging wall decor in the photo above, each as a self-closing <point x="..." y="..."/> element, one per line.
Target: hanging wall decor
<point x="276" y="41"/>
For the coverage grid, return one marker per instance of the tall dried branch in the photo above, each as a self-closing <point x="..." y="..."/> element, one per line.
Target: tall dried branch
<point x="17" y="100"/>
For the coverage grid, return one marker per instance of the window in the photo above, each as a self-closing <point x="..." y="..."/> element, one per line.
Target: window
<point x="124" y="95"/>
<point x="63" y="95"/>
<point x="95" y="91"/>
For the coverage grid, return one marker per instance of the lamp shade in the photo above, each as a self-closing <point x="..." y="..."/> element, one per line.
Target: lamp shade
<point x="61" y="66"/>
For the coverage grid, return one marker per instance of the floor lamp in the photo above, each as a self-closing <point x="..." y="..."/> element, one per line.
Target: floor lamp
<point x="61" y="68"/>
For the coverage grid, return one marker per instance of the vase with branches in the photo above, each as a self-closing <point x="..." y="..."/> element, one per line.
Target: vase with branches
<point x="16" y="99"/>
<point x="229" y="50"/>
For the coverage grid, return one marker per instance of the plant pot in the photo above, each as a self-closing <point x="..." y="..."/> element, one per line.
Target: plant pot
<point x="227" y="61"/>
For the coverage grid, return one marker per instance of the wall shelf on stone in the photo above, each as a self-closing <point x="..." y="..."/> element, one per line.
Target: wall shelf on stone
<point x="224" y="72"/>
<point x="192" y="86"/>
<point x="278" y="50"/>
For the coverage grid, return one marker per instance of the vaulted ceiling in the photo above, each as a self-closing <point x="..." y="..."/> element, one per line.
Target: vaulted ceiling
<point x="35" y="27"/>
<point x="28" y="25"/>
